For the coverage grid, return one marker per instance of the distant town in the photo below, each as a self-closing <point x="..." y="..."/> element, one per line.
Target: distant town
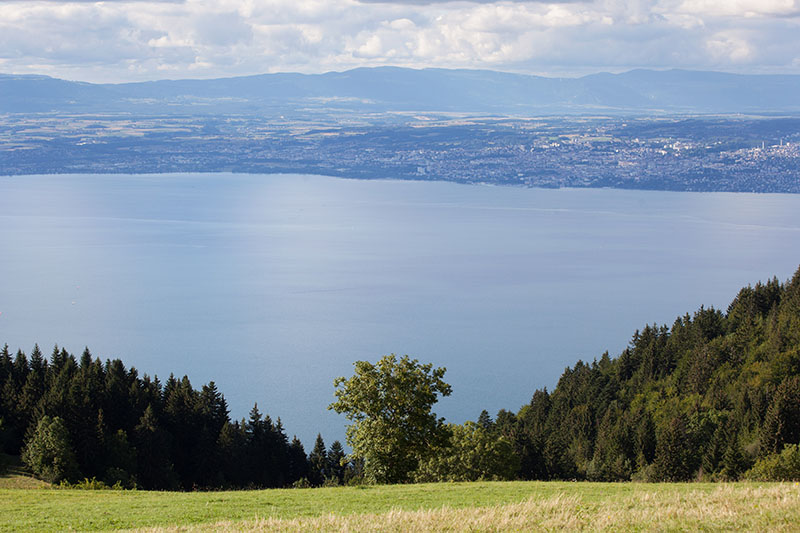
<point x="680" y="153"/>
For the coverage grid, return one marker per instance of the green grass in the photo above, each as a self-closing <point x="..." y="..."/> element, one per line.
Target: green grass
<point x="19" y="481"/>
<point x="14" y="475"/>
<point x="47" y="509"/>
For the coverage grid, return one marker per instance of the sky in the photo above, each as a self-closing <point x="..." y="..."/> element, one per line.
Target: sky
<point x="133" y="40"/>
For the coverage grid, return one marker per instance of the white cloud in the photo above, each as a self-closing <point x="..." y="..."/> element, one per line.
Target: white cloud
<point x="741" y="8"/>
<point x="728" y="46"/>
<point x="125" y="39"/>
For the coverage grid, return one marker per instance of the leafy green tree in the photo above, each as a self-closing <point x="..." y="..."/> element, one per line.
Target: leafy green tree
<point x="48" y="451"/>
<point x="784" y="466"/>
<point x="471" y="454"/>
<point x="390" y="405"/>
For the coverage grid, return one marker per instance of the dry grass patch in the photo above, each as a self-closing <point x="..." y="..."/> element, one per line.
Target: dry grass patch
<point x="734" y="507"/>
<point x="16" y="481"/>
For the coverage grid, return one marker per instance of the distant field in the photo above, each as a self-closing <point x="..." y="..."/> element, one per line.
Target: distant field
<point x="486" y="506"/>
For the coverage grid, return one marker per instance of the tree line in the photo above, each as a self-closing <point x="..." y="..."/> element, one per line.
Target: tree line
<point x="715" y="396"/>
<point x="83" y="418"/>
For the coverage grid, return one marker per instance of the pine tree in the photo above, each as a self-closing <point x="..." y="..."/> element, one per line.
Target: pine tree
<point x="782" y="422"/>
<point x="672" y="461"/>
<point x="120" y="460"/>
<point x="318" y="463"/>
<point x="6" y="364"/>
<point x="336" y="461"/>
<point x="182" y="422"/>
<point x="279" y="456"/>
<point x="485" y="421"/>
<point x="298" y="468"/>
<point x="154" y="467"/>
<point x="734" y="461"/>
<point x="234" y="460"/>
<point x="259" y="449"/>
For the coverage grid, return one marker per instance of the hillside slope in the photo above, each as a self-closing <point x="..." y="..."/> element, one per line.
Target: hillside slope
<point x="705" y="398"/>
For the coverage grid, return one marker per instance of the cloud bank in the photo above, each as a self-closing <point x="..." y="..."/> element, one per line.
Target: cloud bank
<point x="125" y="40"/>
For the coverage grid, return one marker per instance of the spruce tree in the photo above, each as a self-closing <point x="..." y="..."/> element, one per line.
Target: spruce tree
<point x="297" y="467"/>
<point x="485" y="421"/>
<point x="318" y="463"/>
<point x="672" y="462"/>
<point x="336" y="461"/>
<point x="154" y="466"/>
<point x="782" y="422"/>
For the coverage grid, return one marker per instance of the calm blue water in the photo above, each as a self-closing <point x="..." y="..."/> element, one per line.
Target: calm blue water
<point x="273" y="285"/>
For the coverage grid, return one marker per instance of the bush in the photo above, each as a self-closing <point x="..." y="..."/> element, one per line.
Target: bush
<point x="92" y="484"/>
<point x="784" y="466"/>
<point x="331" y="482"/>
<point x="86" y="484"/>
<point x="48" y="452"/>
<point x="302" y="483"/>
<point x="472" y="454"/>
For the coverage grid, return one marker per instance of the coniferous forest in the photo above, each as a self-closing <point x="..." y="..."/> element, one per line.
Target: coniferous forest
<point x="82" y="418"/>
<point x="714" y="396"/>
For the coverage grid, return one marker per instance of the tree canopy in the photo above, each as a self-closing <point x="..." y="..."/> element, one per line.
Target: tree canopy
<point x="390" y="403"/>
<point x="715" y="396"/>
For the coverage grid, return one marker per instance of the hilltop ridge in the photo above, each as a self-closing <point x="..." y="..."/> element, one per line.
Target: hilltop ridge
<point x="397" y="89"/>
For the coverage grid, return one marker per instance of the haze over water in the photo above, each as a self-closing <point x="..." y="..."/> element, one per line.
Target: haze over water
<point x="274" y="285"/>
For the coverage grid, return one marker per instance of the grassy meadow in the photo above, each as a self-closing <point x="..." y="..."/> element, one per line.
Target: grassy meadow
<point x="27" y="505"/>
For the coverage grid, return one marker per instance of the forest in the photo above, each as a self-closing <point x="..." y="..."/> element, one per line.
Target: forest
<point x="715" y="396"/>
<point x="82" y="418"/>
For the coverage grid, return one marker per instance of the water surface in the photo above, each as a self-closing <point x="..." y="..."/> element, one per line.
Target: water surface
<point x="274" y="285"/>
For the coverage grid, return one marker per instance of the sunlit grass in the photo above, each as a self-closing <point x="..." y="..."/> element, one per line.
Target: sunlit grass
<point x="727" y="508"/>
<point x="513" y="506"/>
<point x="14" y="481"/>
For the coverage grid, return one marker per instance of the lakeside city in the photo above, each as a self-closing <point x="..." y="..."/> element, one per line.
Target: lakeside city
<point x="679" y="153"/>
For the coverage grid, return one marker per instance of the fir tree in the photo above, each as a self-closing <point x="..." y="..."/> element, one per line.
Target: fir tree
<point x="319" y="469"/>
<point x="337" y="461"/>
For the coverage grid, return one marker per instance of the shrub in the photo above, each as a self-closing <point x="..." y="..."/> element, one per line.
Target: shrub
<point x="48" y="452"/>
<point x="784" y="466"/>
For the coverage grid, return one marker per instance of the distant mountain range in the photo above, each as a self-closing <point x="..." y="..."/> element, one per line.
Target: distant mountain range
<point x="401" y="90"/>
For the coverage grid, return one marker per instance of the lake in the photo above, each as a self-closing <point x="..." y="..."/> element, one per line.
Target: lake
<point x="273" y="285"/>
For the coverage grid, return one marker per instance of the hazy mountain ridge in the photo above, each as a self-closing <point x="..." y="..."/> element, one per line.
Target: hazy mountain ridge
<point x="394" y="89"/>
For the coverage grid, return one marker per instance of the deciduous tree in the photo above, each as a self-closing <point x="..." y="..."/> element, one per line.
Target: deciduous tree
<point x="390" y="405"/>
<point x="48" y="451"/>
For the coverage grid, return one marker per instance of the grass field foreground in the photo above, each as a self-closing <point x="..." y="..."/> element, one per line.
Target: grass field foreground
<point x="511" y="506"/>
